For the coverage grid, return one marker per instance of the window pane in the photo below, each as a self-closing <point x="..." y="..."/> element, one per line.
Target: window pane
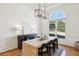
<point x="61" y="26"/>
<point x="52" y="25"/>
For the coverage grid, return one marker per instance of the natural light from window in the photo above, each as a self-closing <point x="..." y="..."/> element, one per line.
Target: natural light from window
<point x="57" y="23"/>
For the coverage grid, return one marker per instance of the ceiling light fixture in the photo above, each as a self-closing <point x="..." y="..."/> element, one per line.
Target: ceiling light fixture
<point x="45" y="14"/>
<point x="41" y="13"/>
<point x="38" y="12"/>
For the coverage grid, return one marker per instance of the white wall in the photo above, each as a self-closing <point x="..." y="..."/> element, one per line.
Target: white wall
<point x="12" y="15"/>
<point x="44" y="27"/>
<point x="72" y="22"/>
<point x="8" y="43"/>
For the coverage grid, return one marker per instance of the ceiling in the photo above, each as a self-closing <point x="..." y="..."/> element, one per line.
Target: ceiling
<point x="49" y="6"/>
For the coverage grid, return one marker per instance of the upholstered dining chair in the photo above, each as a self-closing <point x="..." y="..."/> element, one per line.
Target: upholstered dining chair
<point x="42" y="51"/>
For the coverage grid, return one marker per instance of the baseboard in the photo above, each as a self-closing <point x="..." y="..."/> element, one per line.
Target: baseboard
<point x="66" y="45"/>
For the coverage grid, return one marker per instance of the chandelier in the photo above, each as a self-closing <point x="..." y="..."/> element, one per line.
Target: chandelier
<point x="39" y="13"/>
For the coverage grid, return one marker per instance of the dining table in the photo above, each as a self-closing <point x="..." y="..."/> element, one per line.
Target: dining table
<point x="30" y="47"/>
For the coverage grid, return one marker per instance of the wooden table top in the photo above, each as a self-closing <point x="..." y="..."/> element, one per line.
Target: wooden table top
<point x="37" y="43"/>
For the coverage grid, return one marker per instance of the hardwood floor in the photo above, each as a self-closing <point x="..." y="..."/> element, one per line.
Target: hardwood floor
<point x="70" y="51"/>
<point x="13" y="52"/>
<point x="0" y="54"/>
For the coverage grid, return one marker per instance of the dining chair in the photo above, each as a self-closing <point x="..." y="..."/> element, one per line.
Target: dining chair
<point x="51" y="47"/>
<point x="42" y="51"/>
<point x="56" y="43"/>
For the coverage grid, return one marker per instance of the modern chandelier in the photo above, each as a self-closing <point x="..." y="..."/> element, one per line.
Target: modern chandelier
<point x="39" y="13"/>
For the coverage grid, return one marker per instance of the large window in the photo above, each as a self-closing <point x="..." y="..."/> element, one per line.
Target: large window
<point x="57" y="23"/>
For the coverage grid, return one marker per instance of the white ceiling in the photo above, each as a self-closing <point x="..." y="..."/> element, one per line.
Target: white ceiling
<point x="49" y="6"/>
